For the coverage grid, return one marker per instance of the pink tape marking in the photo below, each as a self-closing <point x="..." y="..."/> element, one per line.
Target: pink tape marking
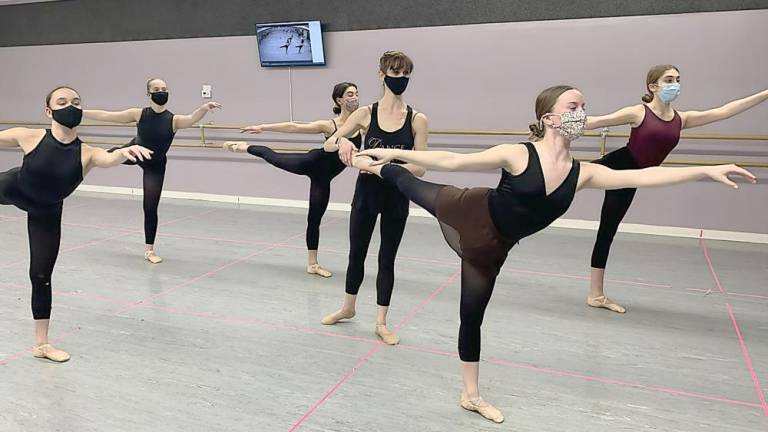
<point x="364" y="359"/>
<point x="703" y="245"/>
<point x="656" y="389"/>
<point x="748" y="360"/>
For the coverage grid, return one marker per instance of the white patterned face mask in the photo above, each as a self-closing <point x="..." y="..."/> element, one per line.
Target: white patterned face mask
<point x="352" y="104"/>
<point x="571" y="124"/>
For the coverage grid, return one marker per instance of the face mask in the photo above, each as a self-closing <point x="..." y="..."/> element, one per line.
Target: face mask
<point x="68" y="117"/>
<point x="352" y="104"/>
<point x="669" y="92"/>
<point x="160" y="98"/>
<point x="396" y="84"/>
<point x="571" y="124"/>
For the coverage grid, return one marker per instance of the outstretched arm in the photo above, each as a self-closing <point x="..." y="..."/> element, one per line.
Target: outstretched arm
<point x="631" y="115"/>
<point x="319" y="126"/>
<point x="500" y="156"/>
<point x="693" y="119"/>
<point x="126" y="116"/>
<point x="601" y="177"/>
<point x="189" y="120"/>
<point x="100" y="158"/>
<point x="12" y="137"/>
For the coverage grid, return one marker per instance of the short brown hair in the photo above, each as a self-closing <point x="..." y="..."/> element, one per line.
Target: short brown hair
<point x="545" y="101"/>
<point x="396" y="61"/>
<point x="654" y="74"/>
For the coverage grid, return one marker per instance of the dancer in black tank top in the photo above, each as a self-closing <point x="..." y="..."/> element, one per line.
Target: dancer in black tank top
<point x="156" y="128"/>
<point x="320" y="166"/>
<point x="537" y="185"/>
<point x="55" y="161"/>
<point x="389" y="123"/>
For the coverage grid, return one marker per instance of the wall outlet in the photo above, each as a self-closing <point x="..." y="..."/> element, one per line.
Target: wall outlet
<point x="206" y="92"/>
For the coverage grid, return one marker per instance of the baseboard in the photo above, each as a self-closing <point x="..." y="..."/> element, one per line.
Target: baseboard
<point x="668" y="231"/>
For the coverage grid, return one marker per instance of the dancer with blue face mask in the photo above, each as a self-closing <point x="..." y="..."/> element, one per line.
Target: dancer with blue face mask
<point x="656" y="128"/>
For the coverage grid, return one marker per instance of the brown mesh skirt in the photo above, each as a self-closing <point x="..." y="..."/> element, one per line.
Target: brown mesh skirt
<point x="468" y="228"/>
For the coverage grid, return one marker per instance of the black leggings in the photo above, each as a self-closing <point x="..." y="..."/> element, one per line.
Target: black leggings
<point x="374" y="197"/>
<point x="153" y="178"/>
<point x="478" y="277"/>
<point x="321" y="167"/>
<point x="44" y="230"/>
<point x="615" y="206"/>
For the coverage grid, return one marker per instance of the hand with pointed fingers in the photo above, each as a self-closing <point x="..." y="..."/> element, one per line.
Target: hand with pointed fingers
<point x="136" y="153"/>
<point x="722" y="173"/>
<point x="253" y="129"/>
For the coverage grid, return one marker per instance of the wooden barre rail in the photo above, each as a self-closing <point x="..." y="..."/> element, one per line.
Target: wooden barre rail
<point x="458" y="132"/>
<point x="604" y="135"/>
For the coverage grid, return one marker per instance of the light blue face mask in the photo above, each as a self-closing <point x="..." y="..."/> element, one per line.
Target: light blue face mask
<point x="669" y="92"/>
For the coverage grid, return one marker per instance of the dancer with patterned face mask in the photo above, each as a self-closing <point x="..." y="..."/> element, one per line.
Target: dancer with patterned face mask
<point x="538" y="182"/>
<point x="319" y="165"/>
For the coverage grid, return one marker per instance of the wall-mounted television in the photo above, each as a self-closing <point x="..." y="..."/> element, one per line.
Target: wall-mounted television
<point x="290" y="44"/>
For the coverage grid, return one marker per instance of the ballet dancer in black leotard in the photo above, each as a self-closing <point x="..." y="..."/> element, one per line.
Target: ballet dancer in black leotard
<point x="320" y="166"/>
<point x="388" y="123"/>
<point x="156" y="127"/>
<point x="55" y="162"/>
<point x="538" y="181"/>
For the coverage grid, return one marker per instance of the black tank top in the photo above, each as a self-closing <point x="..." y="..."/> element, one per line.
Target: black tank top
<point x="399" y="139"/>
<point x="372" y="191"/>
<point x="519" y="205"/>
<point x="52" y="171"/>
<point x="357" y="140"/>
<point x="155" y="131"/>
<point x="329" y="165"/>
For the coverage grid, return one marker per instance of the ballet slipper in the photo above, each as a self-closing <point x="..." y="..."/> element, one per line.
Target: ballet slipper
<point x="606" y="303"/>
<point x="481" y="407"/>
<point x="151" y="257"/>
<point x="49" y="352"/>
<point x="386" y="336"/>
<point x="317" y="270"/>
<point x="337" y="316"/>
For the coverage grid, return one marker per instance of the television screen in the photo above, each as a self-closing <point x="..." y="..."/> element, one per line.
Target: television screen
<point x="290" y="44"/>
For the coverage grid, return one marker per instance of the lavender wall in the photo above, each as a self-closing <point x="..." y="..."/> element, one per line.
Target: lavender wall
<point x="475" y="77"/>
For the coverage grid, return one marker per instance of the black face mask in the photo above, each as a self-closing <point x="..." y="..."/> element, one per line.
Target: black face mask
<point x="68" y="117"/>
<point x="396" y="84"/>
<point x="160" y="98"/>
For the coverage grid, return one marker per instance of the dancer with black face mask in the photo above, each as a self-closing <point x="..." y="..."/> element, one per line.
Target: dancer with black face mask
<point x="156" y="127"/>
<point x="319" y="165"/>
<point x="656" y="128"/>
<point x="538" y="182"/>
<point x="55" y="162"/>
<point x="388" y="123"/>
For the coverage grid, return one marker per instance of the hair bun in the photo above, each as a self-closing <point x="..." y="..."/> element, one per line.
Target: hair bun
<point x="536" y="130"/>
